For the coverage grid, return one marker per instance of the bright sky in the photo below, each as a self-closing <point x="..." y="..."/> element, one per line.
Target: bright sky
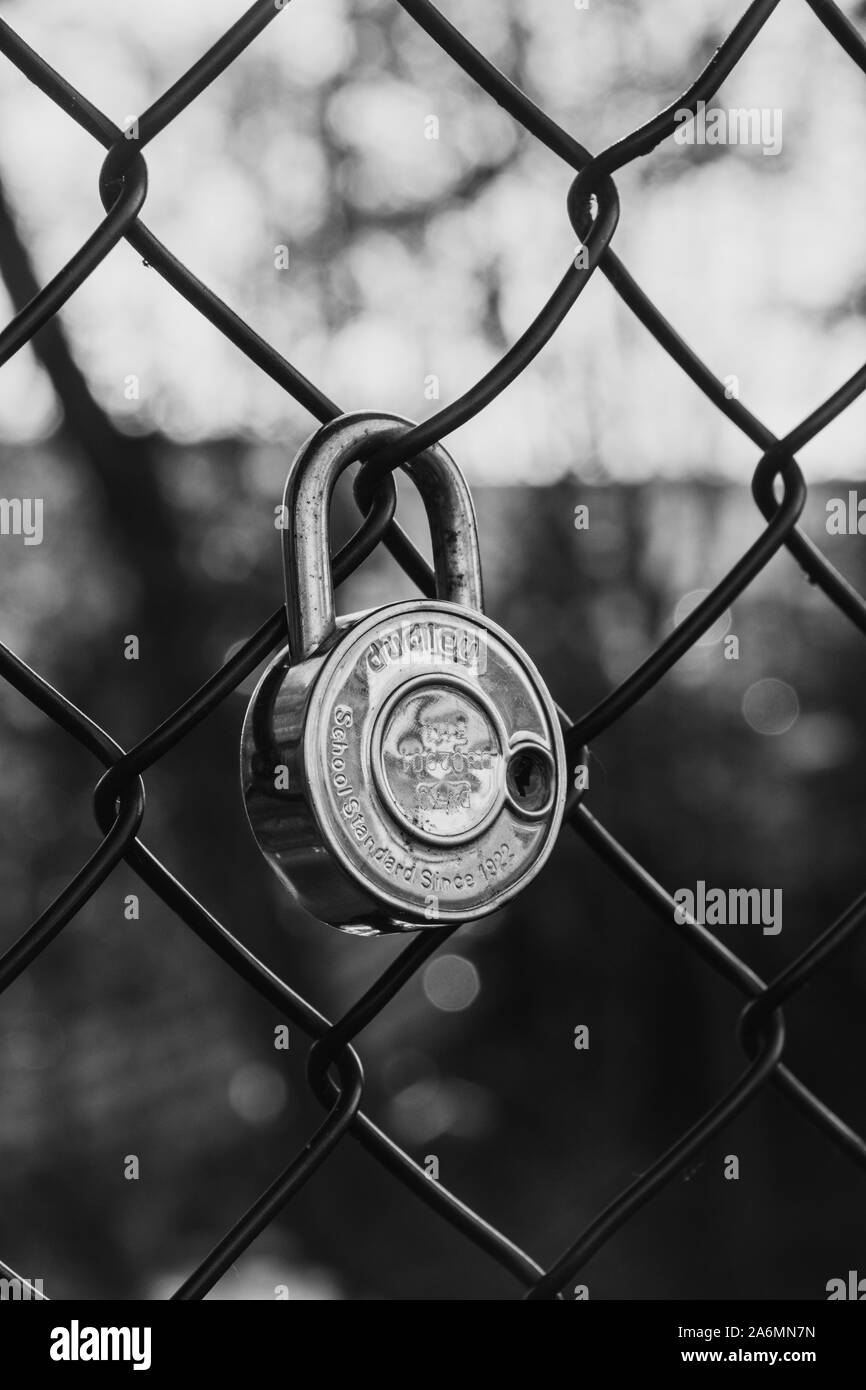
<point x="315" y="140"/>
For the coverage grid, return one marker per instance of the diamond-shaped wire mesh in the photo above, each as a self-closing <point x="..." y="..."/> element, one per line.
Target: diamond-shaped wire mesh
<point x="334" y="1071"/>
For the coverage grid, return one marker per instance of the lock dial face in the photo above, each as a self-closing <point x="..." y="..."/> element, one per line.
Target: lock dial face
<point x="434" y="761"/>
<point x="438" y="756"/>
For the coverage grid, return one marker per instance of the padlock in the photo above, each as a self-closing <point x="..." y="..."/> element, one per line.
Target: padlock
<point x="402" y="768"/>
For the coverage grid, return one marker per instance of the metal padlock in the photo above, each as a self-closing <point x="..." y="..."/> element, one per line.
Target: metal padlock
<point x="403" y="768"/>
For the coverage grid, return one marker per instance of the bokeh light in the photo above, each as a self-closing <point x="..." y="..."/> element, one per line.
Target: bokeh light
<point x="451" y="983"/>
<point x="770" y="707"/>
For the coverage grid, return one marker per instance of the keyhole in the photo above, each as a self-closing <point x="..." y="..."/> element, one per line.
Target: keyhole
<point x="528" y="779"/>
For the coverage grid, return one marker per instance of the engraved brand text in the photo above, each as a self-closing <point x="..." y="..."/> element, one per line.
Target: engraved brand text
<point x="422" y="643"/>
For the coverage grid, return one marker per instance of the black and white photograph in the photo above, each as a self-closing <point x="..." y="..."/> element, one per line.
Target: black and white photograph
<point x="432" y="654"/>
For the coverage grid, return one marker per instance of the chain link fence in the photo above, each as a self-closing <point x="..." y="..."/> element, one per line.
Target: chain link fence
<point x="779" y="491"/>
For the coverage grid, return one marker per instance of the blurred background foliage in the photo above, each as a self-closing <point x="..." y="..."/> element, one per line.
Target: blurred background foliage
<point x="411" y="258"/>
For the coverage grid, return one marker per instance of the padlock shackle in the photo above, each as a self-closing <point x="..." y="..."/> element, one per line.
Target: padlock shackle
<point x="313" y="474"/>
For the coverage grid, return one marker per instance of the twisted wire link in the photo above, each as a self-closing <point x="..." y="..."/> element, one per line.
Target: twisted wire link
<point x="334" y="1073"/>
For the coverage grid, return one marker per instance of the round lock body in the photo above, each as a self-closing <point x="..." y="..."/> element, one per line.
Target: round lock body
<point x="423" y="773"/>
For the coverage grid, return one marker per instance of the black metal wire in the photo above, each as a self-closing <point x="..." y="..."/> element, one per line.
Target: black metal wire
<point x="119" y="799"/>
